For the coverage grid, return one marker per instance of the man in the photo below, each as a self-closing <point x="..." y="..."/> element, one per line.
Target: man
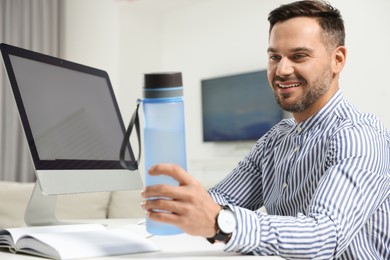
<point x="323" y="176"/>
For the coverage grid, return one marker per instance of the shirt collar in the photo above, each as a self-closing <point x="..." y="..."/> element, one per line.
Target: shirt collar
<point x="321" y="115"/>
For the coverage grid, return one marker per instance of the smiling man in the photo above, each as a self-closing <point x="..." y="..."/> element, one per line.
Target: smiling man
<point x="323" y="175"/>
<point x="293" y="57"/>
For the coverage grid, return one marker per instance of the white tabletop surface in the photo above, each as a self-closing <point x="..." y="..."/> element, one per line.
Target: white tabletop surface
<point x="181" y="246"/>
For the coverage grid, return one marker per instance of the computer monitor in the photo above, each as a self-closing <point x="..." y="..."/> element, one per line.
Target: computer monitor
<point x="239" y="107"/>
<point x="73" y="128"/>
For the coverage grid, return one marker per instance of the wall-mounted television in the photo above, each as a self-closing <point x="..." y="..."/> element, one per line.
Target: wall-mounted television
<point x="238" y="107"/>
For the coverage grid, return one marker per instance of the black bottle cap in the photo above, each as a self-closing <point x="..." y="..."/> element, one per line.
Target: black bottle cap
<point x="163" y="80"/>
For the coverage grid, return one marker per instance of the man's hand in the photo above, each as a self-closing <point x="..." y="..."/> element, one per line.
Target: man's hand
<point x="193" y="210"/>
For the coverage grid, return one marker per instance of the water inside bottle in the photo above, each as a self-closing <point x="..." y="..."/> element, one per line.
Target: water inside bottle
<point x="164" y="146"/>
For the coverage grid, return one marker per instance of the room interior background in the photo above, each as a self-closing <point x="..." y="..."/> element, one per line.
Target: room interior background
<point x="30" y="24"/>
<point x="204" y="39"/>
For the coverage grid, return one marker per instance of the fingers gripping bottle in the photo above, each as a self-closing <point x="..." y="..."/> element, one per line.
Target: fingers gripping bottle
<point x="164" y="133"/>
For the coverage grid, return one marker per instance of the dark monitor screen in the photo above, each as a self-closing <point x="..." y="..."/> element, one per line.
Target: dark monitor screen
<point x="68" y="111"/>
<point x="238" y="107"/>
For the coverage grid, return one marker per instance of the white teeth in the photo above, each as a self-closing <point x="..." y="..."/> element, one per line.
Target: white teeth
<point x="289" y="86"/>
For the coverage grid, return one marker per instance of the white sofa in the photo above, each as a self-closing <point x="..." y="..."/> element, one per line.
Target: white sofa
<point x="14" y="197"/>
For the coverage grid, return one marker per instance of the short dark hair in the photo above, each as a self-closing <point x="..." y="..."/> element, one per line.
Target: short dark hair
<point x="329" y="18"/>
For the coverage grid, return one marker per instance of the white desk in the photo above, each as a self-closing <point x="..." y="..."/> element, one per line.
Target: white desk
<point x="178" y="247"/>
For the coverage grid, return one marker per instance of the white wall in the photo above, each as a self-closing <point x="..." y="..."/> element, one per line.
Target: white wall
<point x="89" y="34"/>
<point x="207" y="38"/>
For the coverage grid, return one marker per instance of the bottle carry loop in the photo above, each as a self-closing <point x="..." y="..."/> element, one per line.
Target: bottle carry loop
<point x="134" y="122"/>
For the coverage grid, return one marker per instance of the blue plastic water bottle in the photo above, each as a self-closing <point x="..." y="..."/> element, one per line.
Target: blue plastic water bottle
<point x="164" y="133"/>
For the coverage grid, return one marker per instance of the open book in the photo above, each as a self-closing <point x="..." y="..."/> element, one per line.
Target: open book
<point x="75" y="241"/>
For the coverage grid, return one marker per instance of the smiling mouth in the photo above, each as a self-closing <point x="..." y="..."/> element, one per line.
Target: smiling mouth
<point x="284" y="86"/>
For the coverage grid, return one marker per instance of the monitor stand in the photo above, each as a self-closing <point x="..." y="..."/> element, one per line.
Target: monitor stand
<point x="41" y="209"/>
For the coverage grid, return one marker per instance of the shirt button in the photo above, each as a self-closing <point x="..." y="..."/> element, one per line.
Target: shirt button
<point x="299" y="130"/>
<point x="296" y="149"/>
<point x="284" y="185"/>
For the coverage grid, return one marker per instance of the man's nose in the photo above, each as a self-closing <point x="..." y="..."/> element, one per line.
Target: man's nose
<point x="285" y="67"/>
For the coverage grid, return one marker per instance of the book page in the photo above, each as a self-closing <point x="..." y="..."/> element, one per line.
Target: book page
<point x="10" y="235"/>
<point x="68" y="245"/>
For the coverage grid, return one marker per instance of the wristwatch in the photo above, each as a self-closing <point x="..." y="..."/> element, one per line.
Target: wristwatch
<point x="226" y="223"/>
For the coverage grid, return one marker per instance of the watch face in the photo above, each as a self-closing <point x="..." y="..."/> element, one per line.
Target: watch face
<point x="226" y="221"/>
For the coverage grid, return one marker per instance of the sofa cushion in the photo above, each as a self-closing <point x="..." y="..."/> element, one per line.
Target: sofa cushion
<point x="13" y="200"/>
<point x="126" y="204"/>
<point x="83" y="206"/>
<point x="14" y="197"/>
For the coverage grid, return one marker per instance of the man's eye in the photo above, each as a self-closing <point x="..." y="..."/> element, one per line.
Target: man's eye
<point x="299" y="56"/>
<point x="274" y="57"/>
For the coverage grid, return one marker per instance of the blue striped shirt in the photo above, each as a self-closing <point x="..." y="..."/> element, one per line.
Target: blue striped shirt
<point x="325" y="184"/>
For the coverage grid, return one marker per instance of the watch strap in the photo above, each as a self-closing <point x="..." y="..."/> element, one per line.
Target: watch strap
<point x="220" y="235"/>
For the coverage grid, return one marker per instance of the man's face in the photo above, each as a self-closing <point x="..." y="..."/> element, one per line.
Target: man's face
<point x="300" y="66"/>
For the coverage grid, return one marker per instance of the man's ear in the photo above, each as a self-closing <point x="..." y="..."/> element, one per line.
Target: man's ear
<point x="338" y="59"/>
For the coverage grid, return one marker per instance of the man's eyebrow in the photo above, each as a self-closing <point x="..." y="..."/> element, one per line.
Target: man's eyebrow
<point x="298" y="49"/>
<point x="270" y="49"/>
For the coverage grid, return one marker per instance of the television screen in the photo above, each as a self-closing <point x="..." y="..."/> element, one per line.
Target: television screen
<point x="238" y="107"/>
